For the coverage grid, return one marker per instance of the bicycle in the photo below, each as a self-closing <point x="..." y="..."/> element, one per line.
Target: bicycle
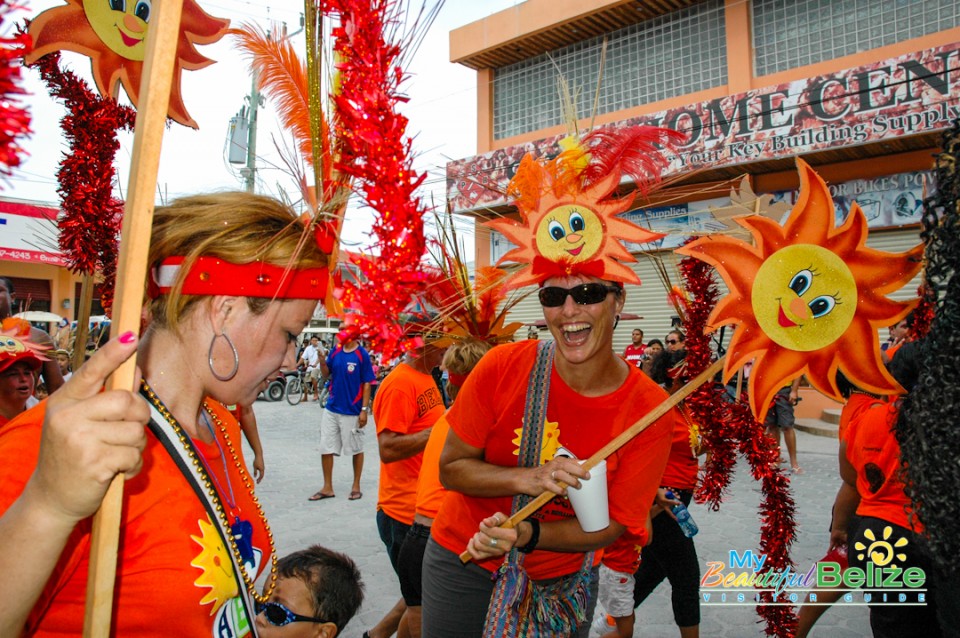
<point x="295" y="387"/>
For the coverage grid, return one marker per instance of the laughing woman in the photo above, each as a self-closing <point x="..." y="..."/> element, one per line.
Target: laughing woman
<point x="524" y="400"/>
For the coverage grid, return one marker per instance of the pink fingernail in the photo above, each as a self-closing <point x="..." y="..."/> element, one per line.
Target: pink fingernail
<point x="128" y="337"/>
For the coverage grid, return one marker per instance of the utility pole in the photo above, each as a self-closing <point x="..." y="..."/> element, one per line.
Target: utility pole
<point x="250" y="170"/>
<point x="251" y="173"/>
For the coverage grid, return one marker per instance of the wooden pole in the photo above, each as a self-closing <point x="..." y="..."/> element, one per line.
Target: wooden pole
<point x="622" y="439"/>
<point x="158" y="65"/>
<point x="83" y="320"/>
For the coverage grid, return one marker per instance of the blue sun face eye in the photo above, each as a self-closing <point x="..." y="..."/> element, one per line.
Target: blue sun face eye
<point x="556" y="230"/>
<point x="142" y="10"/>
<point x="576" y="222"/>
<point x="822" y="305"/>
<point x="801" y="282"/>
<point x="118" y="5"/>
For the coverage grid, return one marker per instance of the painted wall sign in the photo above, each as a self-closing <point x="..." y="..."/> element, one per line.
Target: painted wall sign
<point x="28" y="233"/>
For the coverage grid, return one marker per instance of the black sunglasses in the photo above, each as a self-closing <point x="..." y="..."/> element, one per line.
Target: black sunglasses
<point x="672" y="341"/>
<point x="584" y="294"/>
<point x="278" y="615"/>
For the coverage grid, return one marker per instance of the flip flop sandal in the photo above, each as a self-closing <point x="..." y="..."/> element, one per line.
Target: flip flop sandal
<point x="319" y="497"/>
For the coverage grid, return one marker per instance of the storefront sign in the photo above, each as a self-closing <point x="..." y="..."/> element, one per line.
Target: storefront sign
<point x="909" y="95"/>
<point x="28" y="233"/>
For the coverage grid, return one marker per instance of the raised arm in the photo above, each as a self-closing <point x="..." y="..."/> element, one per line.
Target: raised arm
<point x="88" y="437"/>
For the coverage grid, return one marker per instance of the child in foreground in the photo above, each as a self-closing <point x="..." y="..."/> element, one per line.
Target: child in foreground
<point x="318" y="591"/>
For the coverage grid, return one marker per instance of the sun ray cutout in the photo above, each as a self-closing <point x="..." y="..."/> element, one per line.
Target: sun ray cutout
<point x="808" y="298"/>
<point x="114" y="40"/>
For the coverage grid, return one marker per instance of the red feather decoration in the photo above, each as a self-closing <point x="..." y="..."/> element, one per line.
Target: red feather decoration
<point x="633" y="151"/>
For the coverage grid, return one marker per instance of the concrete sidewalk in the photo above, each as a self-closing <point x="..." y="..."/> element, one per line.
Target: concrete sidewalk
<point x="290" y="436"/>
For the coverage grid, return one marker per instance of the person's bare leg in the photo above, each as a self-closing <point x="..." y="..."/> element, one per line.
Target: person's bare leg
<point x="790" y="438"/>
<point x="326" y="462"/>
<point x="810" y="614"/>
<point x="693" y="631"/>
<point x="389" y="624"/>
<point x="357" y="471"/>
<point x="410" y="623"/>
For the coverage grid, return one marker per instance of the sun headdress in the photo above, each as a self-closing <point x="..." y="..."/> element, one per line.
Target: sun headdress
<point x="568" y="207"/>
<point x="15" y="345"/>
<point x="808" y="298"/>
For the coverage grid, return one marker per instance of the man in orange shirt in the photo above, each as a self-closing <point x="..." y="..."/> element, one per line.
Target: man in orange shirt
<point x="407" y="405"/>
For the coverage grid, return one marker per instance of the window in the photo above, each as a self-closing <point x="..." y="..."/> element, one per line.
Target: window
<point x="792" y="33"/>
<point x="674" y="54"/>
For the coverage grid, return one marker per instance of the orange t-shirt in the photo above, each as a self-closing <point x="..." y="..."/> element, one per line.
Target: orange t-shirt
<point x="171" y="554"/>
<point x="873" y="451"/>
<point x="488" y="414"/>
<point x="430" y="490"/>
<point x="407" y="402"/>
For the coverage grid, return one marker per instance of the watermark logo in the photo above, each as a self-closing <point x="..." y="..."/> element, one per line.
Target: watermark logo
<point x="878" y="577"/>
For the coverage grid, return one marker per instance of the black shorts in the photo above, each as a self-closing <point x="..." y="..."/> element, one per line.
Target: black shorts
<point x="410" y="564"/>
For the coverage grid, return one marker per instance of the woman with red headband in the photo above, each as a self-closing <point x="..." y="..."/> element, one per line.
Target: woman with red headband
<point x="231" y="285"/>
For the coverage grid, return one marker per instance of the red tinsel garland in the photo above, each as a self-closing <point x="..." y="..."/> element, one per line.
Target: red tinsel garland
<point x="378" y="156"/>
<point x="90" y="216"/>
<point x="728" y="428"/>
<point x="924" y="312"/>
<point x="14" y="119"/>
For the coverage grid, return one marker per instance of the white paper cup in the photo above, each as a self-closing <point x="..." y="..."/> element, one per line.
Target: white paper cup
<point x="590" y="502"/>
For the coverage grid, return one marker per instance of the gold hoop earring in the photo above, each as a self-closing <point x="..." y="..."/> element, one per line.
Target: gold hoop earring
<point x="236" y="358"/>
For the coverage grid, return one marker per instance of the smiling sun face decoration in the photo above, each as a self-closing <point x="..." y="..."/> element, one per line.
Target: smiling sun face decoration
<point x="808" y="298"/>
<point x="112" y="33"/>
<point x="568" y="227"/>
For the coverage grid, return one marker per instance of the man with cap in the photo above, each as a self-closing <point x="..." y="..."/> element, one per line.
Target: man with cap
<point x="19" y="363"/>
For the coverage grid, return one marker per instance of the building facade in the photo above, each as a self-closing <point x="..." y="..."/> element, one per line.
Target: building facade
<point x="860" y="89"/>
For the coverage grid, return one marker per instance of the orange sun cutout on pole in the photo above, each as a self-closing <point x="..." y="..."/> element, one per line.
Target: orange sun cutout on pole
<point x="112" y="34"/>
<point x="808" y="298"/>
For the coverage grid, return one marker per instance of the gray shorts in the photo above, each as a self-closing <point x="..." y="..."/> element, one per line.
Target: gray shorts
<point x="313" y="375"/>
<point x="616" y="592"/>
<point x="340" y="434"/>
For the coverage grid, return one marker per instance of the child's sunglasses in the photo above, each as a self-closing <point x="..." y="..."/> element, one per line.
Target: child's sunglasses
<point x="278" y="615"/>
<point x="584" y="294"/>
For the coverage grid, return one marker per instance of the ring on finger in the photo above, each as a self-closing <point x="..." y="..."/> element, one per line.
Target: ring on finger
<point x="553" y="475"/>
<point x="494" y="542"/>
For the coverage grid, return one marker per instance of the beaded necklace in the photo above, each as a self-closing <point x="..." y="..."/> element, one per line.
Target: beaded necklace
<point x="215" y="496"/>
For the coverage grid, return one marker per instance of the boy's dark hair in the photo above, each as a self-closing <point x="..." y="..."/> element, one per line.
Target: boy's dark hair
<point x="333" y="579"/>
<point x="654" y="342"/>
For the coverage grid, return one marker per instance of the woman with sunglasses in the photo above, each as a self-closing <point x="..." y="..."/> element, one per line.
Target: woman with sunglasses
<point x="499" y="448"/>
<point x="234" y="278"/>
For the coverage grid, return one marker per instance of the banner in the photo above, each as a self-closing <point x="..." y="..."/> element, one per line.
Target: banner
<point x="909" y="95"/>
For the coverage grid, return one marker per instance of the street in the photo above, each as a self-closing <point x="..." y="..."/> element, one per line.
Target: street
<point x="290" y="437"/>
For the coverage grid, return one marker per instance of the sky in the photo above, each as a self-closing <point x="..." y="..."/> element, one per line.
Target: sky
<point x="442" y="113"/>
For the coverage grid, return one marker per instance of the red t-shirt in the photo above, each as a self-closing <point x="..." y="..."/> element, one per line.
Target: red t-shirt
<point x="873" y="450"/>
<point x="173" y="571"/>
<point x="624" y="554"/>
<point x="682" y="466"/>
<point x="488" y="414"/>
<point x="407" y="402"/>
<point x="634" y="354"/>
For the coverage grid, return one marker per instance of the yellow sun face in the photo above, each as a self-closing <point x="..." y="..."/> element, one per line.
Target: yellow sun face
<point x="802" y="297"/>
<point x="112" y="32"/>
<point x="120" y="24"/>
<point x="11" y="344"/>
<point x="808" y="298"/>
<point x="568" y="229"/>
<point x="549" y="445"/>
<point x="216" y="567"/>
<point x="569" y="232"/>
